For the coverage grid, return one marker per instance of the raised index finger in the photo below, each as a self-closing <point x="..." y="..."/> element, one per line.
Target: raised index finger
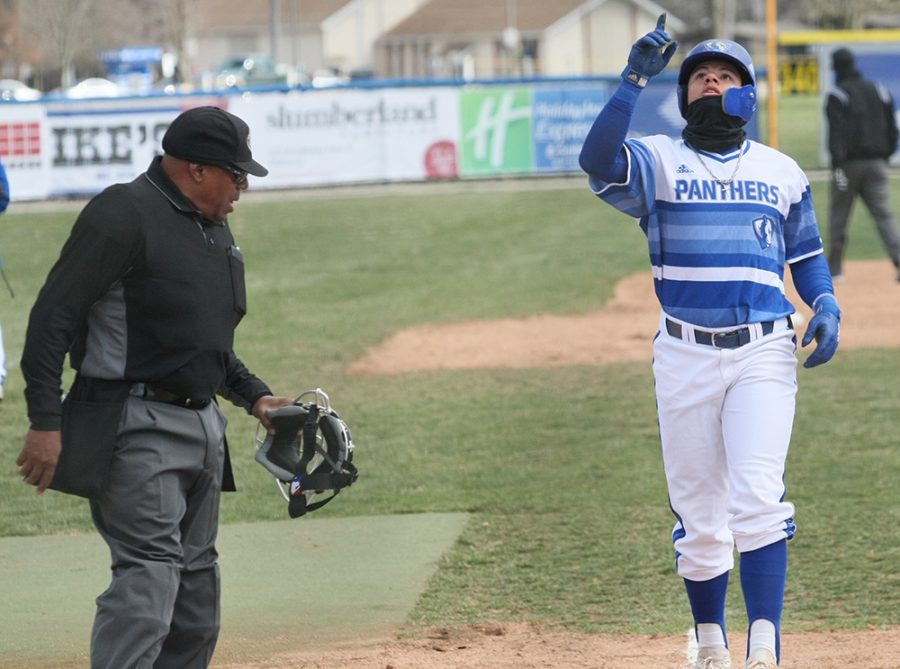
<point x="661" y="22"/>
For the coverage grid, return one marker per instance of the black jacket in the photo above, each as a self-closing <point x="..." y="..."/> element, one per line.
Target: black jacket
<point x="145" y="290"/>
<point x="861" y="121"/>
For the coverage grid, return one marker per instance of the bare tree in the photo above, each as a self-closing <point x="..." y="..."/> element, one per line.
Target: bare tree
<point x="71" y="33"/>
<point x="17" y="50"/>
<point x="176" y="26"/>
<point x="64" y="27"/>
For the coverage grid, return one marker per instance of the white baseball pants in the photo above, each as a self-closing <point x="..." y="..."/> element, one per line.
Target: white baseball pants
<point x="725" y="419"/>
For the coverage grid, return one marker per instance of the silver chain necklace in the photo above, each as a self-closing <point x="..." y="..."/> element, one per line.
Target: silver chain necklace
<point x="723" y="183"/>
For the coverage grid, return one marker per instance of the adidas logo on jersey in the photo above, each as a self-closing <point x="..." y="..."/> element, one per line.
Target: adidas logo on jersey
<point x="684" y="169"/>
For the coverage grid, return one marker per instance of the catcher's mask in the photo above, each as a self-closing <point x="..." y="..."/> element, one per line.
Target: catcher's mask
<point x="310" y="454"/>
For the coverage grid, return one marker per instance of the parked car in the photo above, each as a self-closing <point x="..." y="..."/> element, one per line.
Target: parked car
<point x="93" y="87"/>
<point x="328" y="77"/>
<point x="13" y="89"/>
<point x="251" y="70"/>
<point x="171" y="86"/>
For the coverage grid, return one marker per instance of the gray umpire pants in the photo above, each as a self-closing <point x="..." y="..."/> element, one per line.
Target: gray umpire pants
<point x="868" y="179"/>
<point x="159" y="516"/>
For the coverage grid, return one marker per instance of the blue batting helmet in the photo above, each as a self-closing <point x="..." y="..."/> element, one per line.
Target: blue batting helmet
<point x="714" y="49"/>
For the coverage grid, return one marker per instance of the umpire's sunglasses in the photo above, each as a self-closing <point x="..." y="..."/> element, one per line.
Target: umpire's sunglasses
<point x="238" y="176"/>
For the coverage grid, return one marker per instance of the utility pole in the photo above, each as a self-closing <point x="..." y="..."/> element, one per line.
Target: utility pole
<point x="722" y="13"/>
<point x="274" y="26"/>
<point x="716" y="15"/>
<point x="772" y="70"/>
<point x="511" y="37"/>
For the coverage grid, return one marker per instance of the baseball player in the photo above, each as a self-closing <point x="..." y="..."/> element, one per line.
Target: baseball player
<point x="722" y="215"/>
<point x="4" y="203"/>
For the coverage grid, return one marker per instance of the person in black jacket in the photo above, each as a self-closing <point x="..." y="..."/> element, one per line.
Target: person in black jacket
<point x="862" y="136"/>
<point x="145" y="298"/>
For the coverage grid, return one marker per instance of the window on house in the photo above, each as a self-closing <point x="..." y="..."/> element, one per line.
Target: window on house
<point x="530" y="48"/>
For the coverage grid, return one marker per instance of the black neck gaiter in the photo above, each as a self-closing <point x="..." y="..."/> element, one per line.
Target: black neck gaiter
<point x="711" y="129"/>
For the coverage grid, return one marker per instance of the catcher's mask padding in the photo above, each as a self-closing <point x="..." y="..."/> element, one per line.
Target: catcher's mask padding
<point x="280" y="452"/>
<point x="311" y="453"/>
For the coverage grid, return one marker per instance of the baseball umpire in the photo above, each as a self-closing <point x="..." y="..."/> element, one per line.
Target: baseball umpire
<point x="145" y="298"/>
<point x="862" y="137"/>
<point x="722" y="215"/>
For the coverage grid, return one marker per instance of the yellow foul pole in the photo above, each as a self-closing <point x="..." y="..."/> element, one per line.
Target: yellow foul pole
<point x="772" y="69"/>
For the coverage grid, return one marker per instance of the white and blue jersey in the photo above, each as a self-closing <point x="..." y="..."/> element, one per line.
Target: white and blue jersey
<point x="717" y="251"/>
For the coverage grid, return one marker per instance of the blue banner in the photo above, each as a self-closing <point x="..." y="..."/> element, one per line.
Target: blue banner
<point x="561" y="118"/>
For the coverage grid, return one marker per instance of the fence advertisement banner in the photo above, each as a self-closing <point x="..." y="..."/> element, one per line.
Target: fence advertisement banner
<point x="345" y="136"/>
<point x="495" y="131"/>
<point x="541" y="128"/>
<point x="332" y="136"/>
<point x="562" y="118"/>
<point x="523" y="130"/>
<point x="86" y="152"/>
<point x="22" y="151"/>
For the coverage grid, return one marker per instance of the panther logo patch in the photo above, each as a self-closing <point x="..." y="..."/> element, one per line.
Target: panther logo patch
<point x="764" y="229"/>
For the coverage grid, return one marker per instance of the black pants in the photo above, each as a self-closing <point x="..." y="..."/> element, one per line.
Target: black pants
<point x="867" y="179"/>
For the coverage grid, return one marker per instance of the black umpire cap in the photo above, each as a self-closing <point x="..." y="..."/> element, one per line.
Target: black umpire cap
<point x="212" y="136"/>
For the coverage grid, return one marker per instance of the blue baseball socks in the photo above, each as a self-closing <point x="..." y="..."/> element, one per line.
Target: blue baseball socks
<point x="707" y="600"/>
<point x="763" y="576"/>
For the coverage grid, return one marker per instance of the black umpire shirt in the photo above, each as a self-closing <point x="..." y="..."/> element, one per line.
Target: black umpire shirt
<point x="861" y="122"/>
<point x="145" y="290"/>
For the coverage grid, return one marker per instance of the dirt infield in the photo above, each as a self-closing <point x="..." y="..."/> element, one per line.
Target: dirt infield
<point x="621" y="331"/>
<point x="521" y="646"/>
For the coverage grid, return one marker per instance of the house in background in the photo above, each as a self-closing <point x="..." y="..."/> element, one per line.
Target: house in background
<point x="349" y="35"/>
<point x="471" y="39"/>
<point x="387" y="38"/>
<point x="428" y="38"/>
<point x="309" y="35"/>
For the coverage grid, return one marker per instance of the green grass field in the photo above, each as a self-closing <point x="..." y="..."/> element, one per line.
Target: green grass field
<point x="558" y="468"/>
<point x="800" y="126"/>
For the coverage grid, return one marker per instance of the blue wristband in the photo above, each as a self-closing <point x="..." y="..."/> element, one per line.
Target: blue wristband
<point x="827" y="302"/>
<point x="634" y="77"/>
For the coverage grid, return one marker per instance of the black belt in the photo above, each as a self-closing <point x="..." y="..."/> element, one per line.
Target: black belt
<point x="154" y="394"/>
<point x="730" y="339"/>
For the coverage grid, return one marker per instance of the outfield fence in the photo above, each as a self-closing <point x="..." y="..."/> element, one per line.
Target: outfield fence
<point x="384" y="132"/>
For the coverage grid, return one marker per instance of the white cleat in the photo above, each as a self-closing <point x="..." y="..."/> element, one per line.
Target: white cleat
<point x="761" y="659"/>
<point x="713" y="657"/>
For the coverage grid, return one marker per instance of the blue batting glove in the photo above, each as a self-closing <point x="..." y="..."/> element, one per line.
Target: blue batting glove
<point x="647" y="57"/>
<point x="825" y="327"/>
